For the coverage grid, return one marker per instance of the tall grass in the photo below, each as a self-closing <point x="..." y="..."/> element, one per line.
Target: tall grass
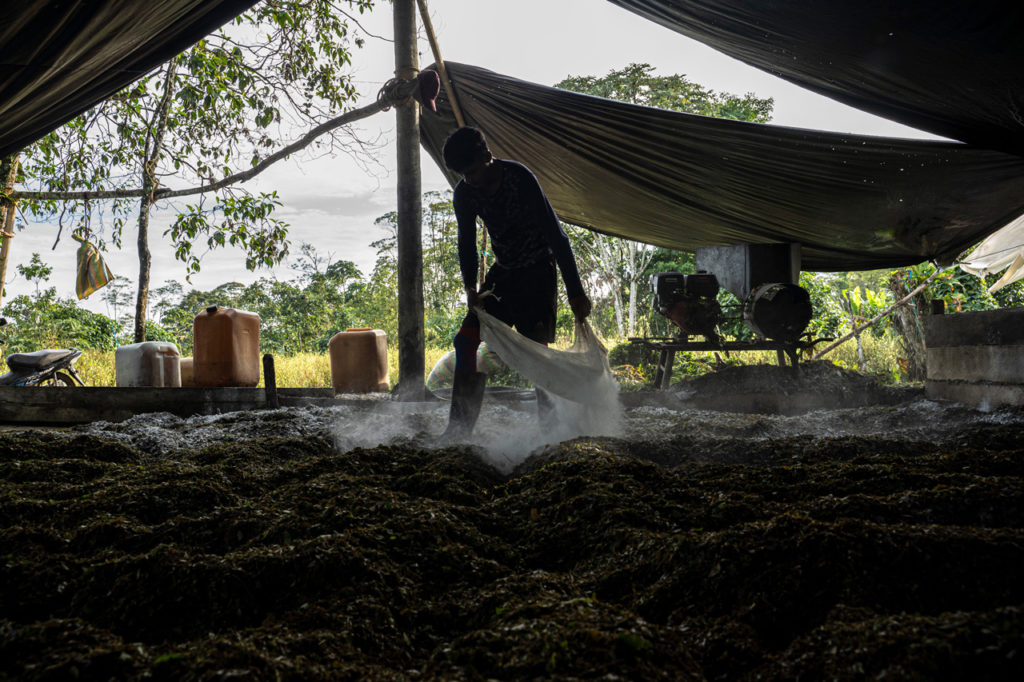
<point x="96" y="367"/>
<point x="303" y="370"/>
<point x="313" y="370"/>
<point x="882" y="355"/>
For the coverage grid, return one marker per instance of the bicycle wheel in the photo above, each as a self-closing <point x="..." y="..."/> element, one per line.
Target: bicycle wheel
<point x="59" y="380"/>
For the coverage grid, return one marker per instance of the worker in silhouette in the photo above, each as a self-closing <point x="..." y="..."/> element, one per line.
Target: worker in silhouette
<point x="527" y="241"/>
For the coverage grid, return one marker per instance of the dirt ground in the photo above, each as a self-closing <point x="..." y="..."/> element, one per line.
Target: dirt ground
<point x="850" y="531"/>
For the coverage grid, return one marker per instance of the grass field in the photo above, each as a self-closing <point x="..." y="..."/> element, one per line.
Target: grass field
<point x="313" y="370"/>
<point x="304" y="370"/>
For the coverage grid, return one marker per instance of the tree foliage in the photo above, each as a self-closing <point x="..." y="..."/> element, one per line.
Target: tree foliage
<point x="638" y="84"/>
<point x="620" y="268"/>
<point x="296" y="315"/>
<point x="222" y="106"/>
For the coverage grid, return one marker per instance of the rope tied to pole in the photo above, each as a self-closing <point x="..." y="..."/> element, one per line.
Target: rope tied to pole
<point x="423" y="86"/>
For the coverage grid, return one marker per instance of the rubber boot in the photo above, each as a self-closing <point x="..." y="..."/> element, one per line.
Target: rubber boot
<point x="467" y="396"/>
<point x="546" y="416"/>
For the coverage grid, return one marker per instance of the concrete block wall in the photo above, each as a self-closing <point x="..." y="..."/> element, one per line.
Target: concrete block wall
<point x="976" y="358"/>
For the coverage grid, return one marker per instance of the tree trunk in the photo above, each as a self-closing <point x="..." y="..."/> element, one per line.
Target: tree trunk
<point x="409" y="240"/>
<point x="8" y="174"/>
<point x="639" y="258"/>
<point x="606" y="265"/>
<point x="632" y="305"/>
<point x="158" y="129"/>
<point x="862" y="363"/>
<point x="906" y="320"/>
<point x="145" y="262"/>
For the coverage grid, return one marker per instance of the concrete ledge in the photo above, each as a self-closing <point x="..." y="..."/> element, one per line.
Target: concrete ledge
<point x="982" y="395"/>
<point x="1003" y="327"/>
<point x="35" y="405"/>
<point x="991" y="364"/>
<point x="61" y="406"/>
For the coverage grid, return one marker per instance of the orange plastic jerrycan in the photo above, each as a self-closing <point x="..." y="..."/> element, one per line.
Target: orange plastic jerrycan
<point x="150" y="363"/>
<point x="359" y="361"/>
<point x="226" y="348"/>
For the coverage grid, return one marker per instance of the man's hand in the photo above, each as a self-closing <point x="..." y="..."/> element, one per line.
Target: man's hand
<point x="472" y="298"/>
<point x="580" y="306"/>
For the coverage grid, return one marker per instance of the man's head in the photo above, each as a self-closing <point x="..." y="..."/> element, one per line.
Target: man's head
<point x="464" y="149"/>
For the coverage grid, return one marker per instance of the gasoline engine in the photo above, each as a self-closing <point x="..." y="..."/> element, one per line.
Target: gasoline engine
<point x="690" y="301"/>
<point x="777" y="311"/>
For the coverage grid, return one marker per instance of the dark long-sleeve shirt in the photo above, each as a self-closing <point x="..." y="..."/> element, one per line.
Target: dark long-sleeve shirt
<point x="520" y="222"/>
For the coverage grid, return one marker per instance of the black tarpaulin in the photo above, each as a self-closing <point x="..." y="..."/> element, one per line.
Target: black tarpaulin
<point x="682" y="181"/>
<point x="60" y="57"/>
<point x="954" y="68"/>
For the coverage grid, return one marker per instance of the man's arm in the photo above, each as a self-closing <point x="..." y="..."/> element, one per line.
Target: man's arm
<point x="558" y="241"/>
<point x="469" y="260"/>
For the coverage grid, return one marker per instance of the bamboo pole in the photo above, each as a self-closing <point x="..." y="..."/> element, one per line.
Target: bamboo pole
<point x="436" y="49"/>
<point x="456" y="109"/>
<point x="876" y="318"/>
<point x="411" y="360"/>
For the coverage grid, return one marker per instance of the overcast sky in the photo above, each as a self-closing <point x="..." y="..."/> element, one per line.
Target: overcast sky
<point x="332" y="202"/>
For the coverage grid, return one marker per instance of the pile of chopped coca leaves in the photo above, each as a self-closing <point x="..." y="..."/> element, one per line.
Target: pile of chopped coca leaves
<point x="879" y="540"/>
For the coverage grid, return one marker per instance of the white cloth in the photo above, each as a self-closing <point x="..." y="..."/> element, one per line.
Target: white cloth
<point x="583" y="392"/>
<point x="1002" y="249"/>
<point x="580" y="374"/>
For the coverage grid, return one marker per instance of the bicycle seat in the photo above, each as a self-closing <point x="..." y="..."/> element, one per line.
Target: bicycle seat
<point x="39" y="358"/>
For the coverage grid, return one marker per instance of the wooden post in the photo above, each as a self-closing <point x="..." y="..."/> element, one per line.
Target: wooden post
<point x="8" y="173"/>
<point x="270" y="382"/>
<point x="411" y="361"/>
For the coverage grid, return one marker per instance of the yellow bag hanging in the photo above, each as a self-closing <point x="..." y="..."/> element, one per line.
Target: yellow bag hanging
<point x="93" y="273"/>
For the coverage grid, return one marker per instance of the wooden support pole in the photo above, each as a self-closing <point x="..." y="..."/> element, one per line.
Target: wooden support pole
<point x="411" y="361"/>
<point x="8" y="174"/>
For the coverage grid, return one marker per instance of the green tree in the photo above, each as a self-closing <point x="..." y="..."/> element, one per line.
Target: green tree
<point x="442" y="280"/>
<point x="638" y="84"/>
<point x="36" y="271"/>
<point x="621" y="267"/>
<point x="302" y="314"/>
<point x="214" y="115"/>
<point x="379" y="302"/>
<point x="117" y="295"/>
<point x="46" y="321"/>
<point x="297" y="315"/>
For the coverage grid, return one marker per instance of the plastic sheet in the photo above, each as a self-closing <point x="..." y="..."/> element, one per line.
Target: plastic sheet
<point x="952" y="68"/>
<point x="683" y="181"/>
<point x="57" y="59"/>
<point x="1003" y="250"/>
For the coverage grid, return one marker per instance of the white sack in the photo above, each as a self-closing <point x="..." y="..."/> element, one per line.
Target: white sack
<point x="580" y="374"/>
<point x="583" y="391"/>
